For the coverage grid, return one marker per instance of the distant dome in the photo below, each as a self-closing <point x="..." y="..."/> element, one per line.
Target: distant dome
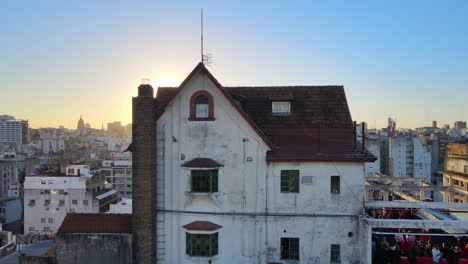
<point x="81" y="124"/>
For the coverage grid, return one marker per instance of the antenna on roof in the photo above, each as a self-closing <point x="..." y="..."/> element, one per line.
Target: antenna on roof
<point x="201" y="29"/>
<point x="205" y="58"/>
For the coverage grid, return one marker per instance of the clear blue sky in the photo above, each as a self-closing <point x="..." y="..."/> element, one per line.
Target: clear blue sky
<point x="62" y="59"/>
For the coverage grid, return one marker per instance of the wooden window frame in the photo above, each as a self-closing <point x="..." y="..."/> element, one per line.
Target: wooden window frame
<point x="213" y="185"/>
<point x="335" y="184"/>
<point x="190" y="239"/>
<point x="286" y="183"/>
<point x="193" y="99"/>
<point x="335" y="253"/>
<point x="290" y="248"/>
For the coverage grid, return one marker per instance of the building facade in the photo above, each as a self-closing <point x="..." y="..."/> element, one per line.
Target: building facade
<point x="455" y="173"/>
<point x="119" y="175"/>
<point x="49" y="197"/>
<point x="13" y="131"/>
<point x="373" y="143"/>
<point x="410" y="157"/>
<point x="246" y="174"/>
<point x="8" y="172"/>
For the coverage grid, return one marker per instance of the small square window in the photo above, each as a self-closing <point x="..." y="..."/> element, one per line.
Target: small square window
<point x="31" y="229"/>
<point x="75" y="202"/>
<point x="335" y="254"/>
<point x="205" y="181"/>
<point x="32" y="203"/>
<point x="290" y="181"/>
<point x="281" y="108"/>
<point x="61" y="203"/>
<point x="46" y="202"/>
<point x="335" y="184"/>
<point x="46" y="229"/>
<point x="43" y="220"/>
<point x="85" y="202"/>
<point x="51" y="181"/>
<point x="290" y="248"/>
<point x="43" y="181"/>
<point x="51" y="220"/>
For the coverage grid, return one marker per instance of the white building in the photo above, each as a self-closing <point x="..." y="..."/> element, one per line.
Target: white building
<point x="373" y="144"/>
<point x="52" y="140"/>
<point x="13" y="131"/>
<point x="48" y="198"/>
<point x="271" y="171"/>
<point x="122" y="207"/>
<point x="119" y="175"/>
<point x="409" y="157"/>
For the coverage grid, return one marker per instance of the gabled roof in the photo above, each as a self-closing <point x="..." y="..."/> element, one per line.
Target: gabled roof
<point x="319" y="128"/>
<point x="166" y="98"/>
<point x="95" y="223"/>
<point x="202" y="226"/>
<point x="202" y="163"/>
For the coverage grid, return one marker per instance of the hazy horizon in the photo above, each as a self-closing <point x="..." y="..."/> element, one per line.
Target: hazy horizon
<point x="400" y="59"/>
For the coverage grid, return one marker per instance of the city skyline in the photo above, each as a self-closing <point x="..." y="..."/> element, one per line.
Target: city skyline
<point x="88" y="59"/>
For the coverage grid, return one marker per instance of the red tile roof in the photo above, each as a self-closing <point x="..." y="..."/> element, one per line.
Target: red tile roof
<point x="202" y="163"/>
<point x="202" y="226"/>
<point x="95" y="223"/>
<point x="319" y="127"/>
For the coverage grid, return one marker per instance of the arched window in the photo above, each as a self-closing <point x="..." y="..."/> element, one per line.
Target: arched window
<point x="201" y="107"/>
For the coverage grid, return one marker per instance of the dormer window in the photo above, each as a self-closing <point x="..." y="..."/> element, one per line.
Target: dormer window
<point x="281" y="108"/>
<point x="201" y="107"/>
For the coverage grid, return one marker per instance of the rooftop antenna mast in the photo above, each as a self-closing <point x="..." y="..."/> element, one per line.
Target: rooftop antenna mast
<point x="201" y="28"/>
<point x="205" y="58"/>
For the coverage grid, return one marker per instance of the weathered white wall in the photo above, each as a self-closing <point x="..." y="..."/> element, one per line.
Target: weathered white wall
<point x="455" y="165"/>
<point x="422" y="160"/>
<point x="398" y="156"/>
<point x="248" y="187"/>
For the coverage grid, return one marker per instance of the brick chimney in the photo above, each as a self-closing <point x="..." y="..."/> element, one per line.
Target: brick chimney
<point x="144" y="176"/>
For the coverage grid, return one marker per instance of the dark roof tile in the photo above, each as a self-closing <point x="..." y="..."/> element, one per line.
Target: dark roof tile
<point x="202" y="163"/>
<point x="202" y="226"/>
<point x="95" y="223"/>
<point x="296" y="136"/>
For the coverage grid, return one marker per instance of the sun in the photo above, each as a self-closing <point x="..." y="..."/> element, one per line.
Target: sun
<point x="166" y="81"/>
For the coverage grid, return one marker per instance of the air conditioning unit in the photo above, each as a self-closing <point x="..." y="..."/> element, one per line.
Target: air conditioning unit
<point x="308" y="180"/>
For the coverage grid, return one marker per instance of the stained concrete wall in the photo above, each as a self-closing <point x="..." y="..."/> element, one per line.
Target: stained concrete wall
<point x="36" y="260"/>
<point x="94" y="248"/>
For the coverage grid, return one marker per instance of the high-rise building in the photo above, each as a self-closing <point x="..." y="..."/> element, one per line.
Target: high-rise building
<point x="410" y="157"/>
<point x="13" y="131"/>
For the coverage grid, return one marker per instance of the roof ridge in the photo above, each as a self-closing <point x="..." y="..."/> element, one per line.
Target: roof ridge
<point x="286" y="86"/>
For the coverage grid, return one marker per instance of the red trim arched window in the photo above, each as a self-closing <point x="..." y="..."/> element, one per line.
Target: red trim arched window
<point x="201" y="106"/>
